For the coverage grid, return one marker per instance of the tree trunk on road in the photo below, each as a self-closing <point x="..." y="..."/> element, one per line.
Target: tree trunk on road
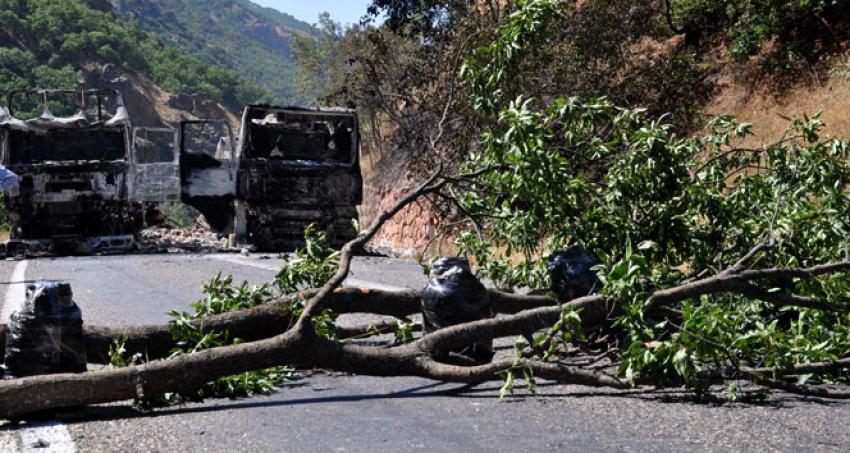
<point x="300" y="345"/>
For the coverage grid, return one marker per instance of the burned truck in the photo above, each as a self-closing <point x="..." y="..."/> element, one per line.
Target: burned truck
<point x="289" y="168"/>
<point x="297" y="167"/>
<point x="88" y="177"/>
<point x="72" y="157"/>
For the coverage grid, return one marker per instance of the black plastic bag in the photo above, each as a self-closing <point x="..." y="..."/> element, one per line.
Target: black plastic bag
<point x="455" y="296"/>
<point x="72" y="357"/>
<point x="571" y="274"/>
<point x="46" y="335"/>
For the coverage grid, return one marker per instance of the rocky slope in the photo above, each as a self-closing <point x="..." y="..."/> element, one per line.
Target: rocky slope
<point x="149" y="105"/>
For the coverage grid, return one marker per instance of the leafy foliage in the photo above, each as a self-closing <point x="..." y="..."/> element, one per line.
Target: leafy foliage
<point x="750" y="24"/>
<point x="310" y="267"/>
<point x="321" y="63"/>
<point x="403" y="332"/>
<point x="638" y="63"/>
<point x="118" y="355"/>
<point x="222" y="296"/>
<point x="417" y="16"/>
<point x="398" y="81"/>
<point x="402" y="76"/>
<point x="659" y="210"/>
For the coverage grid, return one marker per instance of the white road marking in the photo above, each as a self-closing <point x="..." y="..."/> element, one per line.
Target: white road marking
<point x="15" y="292"/>
<point x="49" y="437"/>
<point x="271" y="266"/>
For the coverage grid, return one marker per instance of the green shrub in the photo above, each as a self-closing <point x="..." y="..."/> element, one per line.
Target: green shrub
<point x="795" y="25"/>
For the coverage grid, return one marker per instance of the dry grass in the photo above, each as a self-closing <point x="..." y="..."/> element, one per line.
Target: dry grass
<point x="831" y="95"/>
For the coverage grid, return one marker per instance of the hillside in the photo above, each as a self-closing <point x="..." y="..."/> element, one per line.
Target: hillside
<point x="235" y="34"/>
<point x="823" y="89"/>
<point x="69" y="43"/>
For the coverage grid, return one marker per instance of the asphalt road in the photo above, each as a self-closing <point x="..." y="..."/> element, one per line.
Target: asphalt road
<point x="334" y="412"/>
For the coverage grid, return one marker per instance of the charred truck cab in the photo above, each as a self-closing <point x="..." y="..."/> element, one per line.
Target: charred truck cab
<point x="297" y="167"/>
<point x="290" y="168"/>
<point x="73" y="165"/>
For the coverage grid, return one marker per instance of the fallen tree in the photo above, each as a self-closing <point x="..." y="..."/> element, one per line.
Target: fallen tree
<point x="302" y="346"/>
<point x="717" y="264"/>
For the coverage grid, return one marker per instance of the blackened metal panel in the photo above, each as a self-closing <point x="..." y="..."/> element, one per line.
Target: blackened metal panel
<point x="324" y="136"/>
<point x="279" y="182"/>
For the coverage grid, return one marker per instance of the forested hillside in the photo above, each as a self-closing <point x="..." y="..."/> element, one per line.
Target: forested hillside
<point x="50" y="44"/>
<point x="235" y="34"/>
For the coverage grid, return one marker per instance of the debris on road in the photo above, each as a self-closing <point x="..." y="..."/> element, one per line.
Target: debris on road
<point x="571" y="273"/>
<point x="198" y="238"/>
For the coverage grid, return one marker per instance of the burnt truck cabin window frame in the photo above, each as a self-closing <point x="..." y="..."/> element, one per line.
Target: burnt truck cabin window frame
<point x="73" y="160"/>
<point x="73" y="143"/>
<point x="294" y="136"/>
<point x="95" y="144"/>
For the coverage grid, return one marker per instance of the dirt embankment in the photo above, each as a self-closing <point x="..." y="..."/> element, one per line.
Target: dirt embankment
<point x="827" y="93"/>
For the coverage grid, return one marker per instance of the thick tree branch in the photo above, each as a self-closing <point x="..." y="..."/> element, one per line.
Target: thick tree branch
<point x="737" y="282"/>
<point x="274" y="318"/>
<point x="552" y="371"/>
<point x="786" y="300"/>
<point x="791" y="273"/>
<point x="592" y="310"/>
<point x="806" y="368"/>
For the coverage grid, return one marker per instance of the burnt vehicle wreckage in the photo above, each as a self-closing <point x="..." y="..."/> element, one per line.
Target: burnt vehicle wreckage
<point x="73" y="190"/>
<point x="90" y="181"/>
